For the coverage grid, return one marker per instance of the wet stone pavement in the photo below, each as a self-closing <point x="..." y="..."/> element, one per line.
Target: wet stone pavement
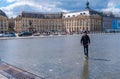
<point x="8" y="71"/>
<point x="61" y="57"/>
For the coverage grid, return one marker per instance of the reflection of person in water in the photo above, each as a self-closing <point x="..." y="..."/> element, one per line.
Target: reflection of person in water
<point x="85" y="73"/>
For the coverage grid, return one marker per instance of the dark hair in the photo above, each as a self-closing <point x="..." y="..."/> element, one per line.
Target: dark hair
<point x="84" y="31"/>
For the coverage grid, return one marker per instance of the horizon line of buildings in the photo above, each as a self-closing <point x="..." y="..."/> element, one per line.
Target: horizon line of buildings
<point x="87" y="19"/>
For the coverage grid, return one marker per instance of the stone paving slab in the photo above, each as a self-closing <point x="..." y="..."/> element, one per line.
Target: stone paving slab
<point x="3" y="77"/>
<point x="11" y="72"/>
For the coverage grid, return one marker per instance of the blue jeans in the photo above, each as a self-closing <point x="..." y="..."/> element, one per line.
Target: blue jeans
<point x="86" y="50"/>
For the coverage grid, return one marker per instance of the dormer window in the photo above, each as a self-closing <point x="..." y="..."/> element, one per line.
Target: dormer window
<point x="73" y="15"/>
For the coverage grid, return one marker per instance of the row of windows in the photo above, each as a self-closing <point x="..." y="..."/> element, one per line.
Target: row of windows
<point x="86" y="24"/>
<point x="76" y="21"/>
<point x="82" y="24"/>
<point x="39" y="24"/>
<point x="74" y="15"/>
<point x="57" y="21"/>
<point x="43" y="26"/>
<point x="32" y="23"/>
<point x="78" y="29"/>
<point x="47" y="21"/>
<point x="79" y="21"/>
<point x="3" y="21"/>
<point x="87" y="20"/>
<point x="66" y="24"/>
<point x="3" y="25"/>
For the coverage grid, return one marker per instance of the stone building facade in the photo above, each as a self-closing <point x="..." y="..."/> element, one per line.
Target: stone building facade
<point x="39" y="22"/>
<point x="87" y="19"/>
<point x="4" y="21"/>
<point x="82" y="22"/>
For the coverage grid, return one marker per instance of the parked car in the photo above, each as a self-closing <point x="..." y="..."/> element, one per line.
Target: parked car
<point x="36" y="34"/>
<point x="25" y="34"/>
<point x="1" y="35"/>
<point x="7" y="35"/>
<point x="12" y="35"/>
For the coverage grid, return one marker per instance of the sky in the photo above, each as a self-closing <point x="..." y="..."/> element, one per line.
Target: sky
<point x="13" y="7"/>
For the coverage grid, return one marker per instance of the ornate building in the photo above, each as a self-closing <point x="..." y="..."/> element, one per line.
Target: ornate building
<point x="3" y="22"/>
<point x="39" y="22"/>
<point x="87" y="19"/>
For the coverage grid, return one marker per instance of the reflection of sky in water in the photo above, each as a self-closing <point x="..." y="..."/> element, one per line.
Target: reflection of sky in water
<point x="85" y="73"/>
<point x="62" y="57"/>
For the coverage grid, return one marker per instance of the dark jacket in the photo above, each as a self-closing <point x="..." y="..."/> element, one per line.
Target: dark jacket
<point x="85" y="40"/>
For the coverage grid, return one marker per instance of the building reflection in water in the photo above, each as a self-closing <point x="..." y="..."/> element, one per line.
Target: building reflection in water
<point x="85" y="72"/>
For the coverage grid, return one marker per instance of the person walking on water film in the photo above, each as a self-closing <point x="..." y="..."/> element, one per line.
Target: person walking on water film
<point x="85" y="41"/>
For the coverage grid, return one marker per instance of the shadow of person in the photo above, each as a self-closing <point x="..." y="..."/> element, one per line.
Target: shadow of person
<point x="85" y="72"/>
<point x="99" y="59"/>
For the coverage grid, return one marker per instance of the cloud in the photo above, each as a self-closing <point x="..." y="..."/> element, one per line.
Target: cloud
<point x="27" y="5"/>
<point x="112" y="7"/>
<point x="9" y="1"/>
<point x="16" y="6"/>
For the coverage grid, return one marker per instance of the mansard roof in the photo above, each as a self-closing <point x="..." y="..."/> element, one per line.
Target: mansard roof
<point x="41" y="15"/>
<point x="92" y="12"/>
<point x="2" y="13"/>
<point x="86" y="12"/>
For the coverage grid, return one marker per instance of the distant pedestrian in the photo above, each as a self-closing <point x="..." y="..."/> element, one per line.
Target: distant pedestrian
<point x="85" y="41"/>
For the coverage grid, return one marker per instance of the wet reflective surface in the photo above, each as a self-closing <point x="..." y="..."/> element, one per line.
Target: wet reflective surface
<point x="61" y="57"/>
